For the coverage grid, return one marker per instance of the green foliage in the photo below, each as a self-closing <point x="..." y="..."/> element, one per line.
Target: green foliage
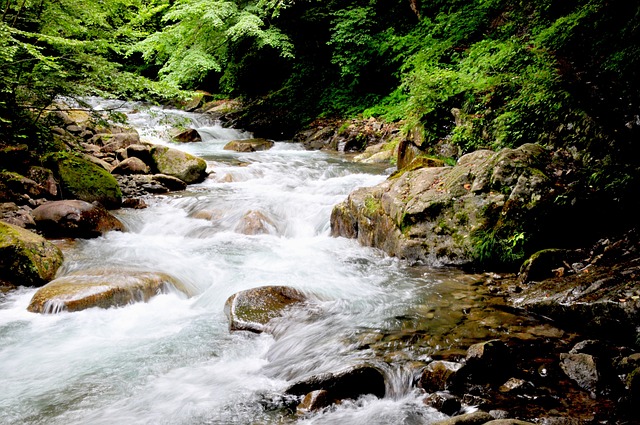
<point x="494" y="249"/>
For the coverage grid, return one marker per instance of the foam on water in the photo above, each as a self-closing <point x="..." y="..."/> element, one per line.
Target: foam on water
<point x="172" y="360"/>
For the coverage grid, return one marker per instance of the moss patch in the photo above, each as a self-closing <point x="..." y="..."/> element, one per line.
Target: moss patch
<point x="84" y="180"/>
<point x="26" y="258"/>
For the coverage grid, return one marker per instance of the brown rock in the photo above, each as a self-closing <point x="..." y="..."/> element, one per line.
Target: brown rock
<point x="188" y="136"/>
<point x="75" y="219"/>
<point x="131" y="166"/>
<point x="252" y="309"/>
<point x="255" y="223"/>
<point x="249" y="145"/>
<point x="103" y="288"/>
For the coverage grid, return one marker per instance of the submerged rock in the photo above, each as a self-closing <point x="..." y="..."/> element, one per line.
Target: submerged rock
<point x="252" y="309"/>
<point x="75" y="219"/>
<point x="255" y="223"/>
<point x="440" y="375"/>
<point x="26" y="258"/>
<point x="173" y="162"/>
<point x="103" y="288"/>
<point x="249" y="145"/>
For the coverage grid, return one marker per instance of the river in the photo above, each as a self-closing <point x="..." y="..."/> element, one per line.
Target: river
<point x="173" y="360"/>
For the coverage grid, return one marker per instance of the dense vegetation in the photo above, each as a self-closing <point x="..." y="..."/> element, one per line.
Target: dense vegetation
<point x="561" y="73"/>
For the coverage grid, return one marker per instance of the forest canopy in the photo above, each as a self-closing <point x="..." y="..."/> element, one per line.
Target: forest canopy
<point x="553" y="72"/>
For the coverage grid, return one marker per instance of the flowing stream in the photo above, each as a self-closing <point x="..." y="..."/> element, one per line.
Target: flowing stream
<point x="173" y="360"/>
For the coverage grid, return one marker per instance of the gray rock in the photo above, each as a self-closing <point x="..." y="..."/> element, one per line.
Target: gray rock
<point x="175" y="163"/>
<point x="475" y="418"/>
<point x="582" y="369"/>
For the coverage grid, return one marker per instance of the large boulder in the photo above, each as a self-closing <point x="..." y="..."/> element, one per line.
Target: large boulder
<point x="489" y="208"/>
<point x="75" y="219"/>
<point x="103" y="288"/>
<point x="84" y="180"/>
<point x="176" y="163"/>
<point x="26" y="258"/>
<point x="252" y="309"/>
<point x="249" y="145"/>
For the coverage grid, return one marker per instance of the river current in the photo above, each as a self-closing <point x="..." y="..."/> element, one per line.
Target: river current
<point x="173" y="360"/>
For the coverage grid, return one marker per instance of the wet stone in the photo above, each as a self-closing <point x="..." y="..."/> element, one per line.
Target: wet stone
<point x="475" y="418"/>
<point x="443" y="402"/>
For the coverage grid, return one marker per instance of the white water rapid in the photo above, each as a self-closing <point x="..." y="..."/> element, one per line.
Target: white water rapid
<point x="173" y="360"/>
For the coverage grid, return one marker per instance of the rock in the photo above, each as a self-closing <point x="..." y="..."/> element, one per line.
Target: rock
<point x="98" y="161"/>
<point x="488" y="361"/>
<point x="508" y="422"/>
<point x="314" y="401"/>
<point x="17" y="188"/>
<point x="111" y="142"/>
<point x="440" y="375"/>
<point x="252" y="309"/>
<point x="140" y="151"/>
<point x="175" y="163"/>
<point x="171" y="183"/>
<point x="26" y="258"/>
<point x="249" y="145"/>
<point x="541" y="265"/>
<point x="582" y="369"/>
<point x="75" y="219"/>
<point x="20" y="216"/>
<point x="131" y="166"/>
<point x="633" y="384"/>
<point x="475" y="418"/>
<point x="102" y="288"/>
<point x="488" y="209"/>
<point x="255" y="223"/>
<point x="443" y="402"/>
<point x="347" y="384"/>
<point x="45" y="178"/>
<point x="188" y="136"/>
<point x="407" y="152"/>
<point x="81" y="179"/>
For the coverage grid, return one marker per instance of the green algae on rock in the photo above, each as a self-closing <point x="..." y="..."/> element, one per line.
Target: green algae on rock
<point x="26" y="258"/>
<point x="102" y="288"/>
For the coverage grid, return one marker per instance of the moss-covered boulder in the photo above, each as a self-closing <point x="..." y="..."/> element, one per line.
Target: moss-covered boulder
<point x="249" y="145"/>
<point x="252" y="309"/>
<point x="103" y="288"/>
<point x="488" y="208"/>
<point x="84" y="180"/>
<point x="75" y="219"/>
<point x="26" y="258"/>
<point x="176" y="163"/>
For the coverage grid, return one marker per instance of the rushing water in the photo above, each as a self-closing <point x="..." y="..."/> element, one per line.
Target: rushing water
<point x="173" y="360"/>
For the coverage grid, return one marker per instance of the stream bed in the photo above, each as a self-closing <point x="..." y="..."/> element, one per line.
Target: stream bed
<point x="173" y="360"/>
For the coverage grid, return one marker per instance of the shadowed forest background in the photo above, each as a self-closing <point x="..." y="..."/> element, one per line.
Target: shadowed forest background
<point x="563" y="74"/>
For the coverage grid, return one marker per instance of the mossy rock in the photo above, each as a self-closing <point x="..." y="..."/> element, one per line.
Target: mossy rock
<point x="176" y="163"/>
<point x="252" y="309"/>
<point x="102" y="288"/>
<point x="26" y="258"/>
<point x="84" y="180"/>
